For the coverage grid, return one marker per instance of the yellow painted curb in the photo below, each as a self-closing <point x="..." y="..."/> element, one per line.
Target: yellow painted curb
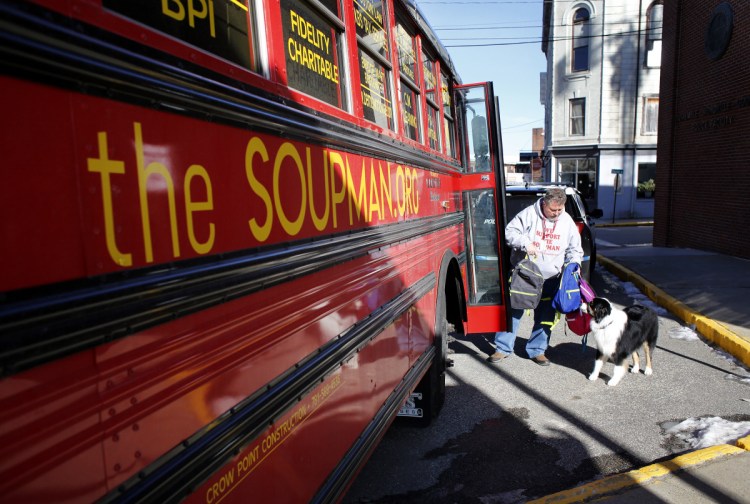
<point x="744" y="443"/>
<point x="637" y="477"/>
<point x="712" y="330"/>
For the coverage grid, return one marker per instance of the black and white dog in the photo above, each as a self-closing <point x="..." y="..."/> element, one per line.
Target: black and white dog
<point x="619" y="334"/>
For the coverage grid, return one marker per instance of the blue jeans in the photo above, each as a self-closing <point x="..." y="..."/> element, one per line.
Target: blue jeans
<point x="544" y="317"/>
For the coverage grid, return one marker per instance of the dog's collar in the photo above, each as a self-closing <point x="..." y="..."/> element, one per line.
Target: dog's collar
<point x="607" y="324"/>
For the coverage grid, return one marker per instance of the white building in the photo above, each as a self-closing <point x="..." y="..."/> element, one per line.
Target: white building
<point x="601" y="100"/>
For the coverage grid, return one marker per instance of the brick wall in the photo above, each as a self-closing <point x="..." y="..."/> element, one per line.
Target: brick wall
<point x="703" y="167"/>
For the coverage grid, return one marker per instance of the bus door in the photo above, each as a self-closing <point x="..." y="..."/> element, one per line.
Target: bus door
<point x="482" y="191"/>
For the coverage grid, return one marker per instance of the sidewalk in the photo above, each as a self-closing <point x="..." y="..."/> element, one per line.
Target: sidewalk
<point x="709" y="291"/>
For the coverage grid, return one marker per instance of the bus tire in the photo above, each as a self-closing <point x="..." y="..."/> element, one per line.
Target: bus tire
<point x="429" y="395"/>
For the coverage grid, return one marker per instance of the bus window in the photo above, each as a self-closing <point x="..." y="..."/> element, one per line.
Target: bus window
<point x="313" y="48"/>
<point x="433" y="111"/>
<point x="410" y="95"/>
<point x="374" y="65"/>
<point x="223" y="27"/>
<point x="476" y="135"/>
<point x="483" y="267"/>
<point x="370" y="18"/>
<point x="448" y="119"/>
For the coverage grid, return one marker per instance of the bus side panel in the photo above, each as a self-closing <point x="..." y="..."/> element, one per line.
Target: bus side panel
<point x="51" y="434"/>
<point x="150" y="187"/>
<point x="305" y="445"/>
<point x="99" y="189"/>
<point x="38" y="153"/>
<point x="160" y="386"/>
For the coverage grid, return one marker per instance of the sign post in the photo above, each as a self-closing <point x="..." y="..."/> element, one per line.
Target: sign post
<point x="617" y="173"/>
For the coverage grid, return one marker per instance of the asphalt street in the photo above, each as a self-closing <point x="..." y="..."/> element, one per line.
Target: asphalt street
<point x="514" y="431"/>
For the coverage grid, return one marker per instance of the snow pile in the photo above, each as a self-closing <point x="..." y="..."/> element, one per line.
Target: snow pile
<point x="683" y="333"/>
<point x="709" y="431"/>
<point x="640" y="298"/>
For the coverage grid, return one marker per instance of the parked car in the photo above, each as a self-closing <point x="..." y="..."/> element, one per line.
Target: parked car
<point x="519" y="197"/>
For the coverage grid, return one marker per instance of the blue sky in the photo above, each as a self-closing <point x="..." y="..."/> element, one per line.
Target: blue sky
<point x="497" y="30"/>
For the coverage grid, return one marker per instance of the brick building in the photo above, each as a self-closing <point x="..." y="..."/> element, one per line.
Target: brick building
<point x="703" y="170"/>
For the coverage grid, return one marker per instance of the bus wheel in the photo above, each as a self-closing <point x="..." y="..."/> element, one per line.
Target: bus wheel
<point x="429" y="396"/>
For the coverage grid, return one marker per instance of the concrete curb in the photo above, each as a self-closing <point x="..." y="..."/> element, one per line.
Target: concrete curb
<point x="713" y="331"/>
<point x="638" y="477"/>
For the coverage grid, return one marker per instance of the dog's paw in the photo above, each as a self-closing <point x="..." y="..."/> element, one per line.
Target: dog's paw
<point x="593" y="377"/>
<point x="612" y="383"/>
<point x="648" y="371"/>
<point x="635" y="369"/>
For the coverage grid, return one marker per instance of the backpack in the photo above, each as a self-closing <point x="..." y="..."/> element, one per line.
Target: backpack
<point x="578" y="321"/>
<point x="526" y="282"/>
<point x="587" y="292"/>
<point x="568" y="295"/>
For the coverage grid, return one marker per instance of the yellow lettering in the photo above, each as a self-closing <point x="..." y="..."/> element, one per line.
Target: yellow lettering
<point x="198" y="206"/>
<point x="361" y="201"/>
<point x="144" y="173"/>
<point x="400" y="190"/>
<point x="206" y="11"/>
<point x="256" y="146"/>
<point x="247" y="463"/>
<point x="415" y="190"/>
<point x="179" y="14"/>
<point x="374" y="199"/>
<point x="319" y="222"/>
<point x="385" y="188"/>
<point x="337" y="197"/>
<point x="223" y="485"/>
<point x="291" y="227"/>
<point x="105" y="166"/>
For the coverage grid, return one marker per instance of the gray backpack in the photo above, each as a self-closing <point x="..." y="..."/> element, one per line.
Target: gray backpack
<point x="526" y="283"/>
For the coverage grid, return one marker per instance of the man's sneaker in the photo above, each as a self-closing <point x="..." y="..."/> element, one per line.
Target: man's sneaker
<point x="541" y="360"/>
<point x="497" y="357"/>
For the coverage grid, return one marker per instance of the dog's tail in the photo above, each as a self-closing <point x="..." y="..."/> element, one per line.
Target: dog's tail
<point x="647" y="319"/>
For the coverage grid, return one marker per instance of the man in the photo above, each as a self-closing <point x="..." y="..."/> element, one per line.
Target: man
<point x="550" y="237"/>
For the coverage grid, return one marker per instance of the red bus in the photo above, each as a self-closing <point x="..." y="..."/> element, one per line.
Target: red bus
<point x="235" y="236"/>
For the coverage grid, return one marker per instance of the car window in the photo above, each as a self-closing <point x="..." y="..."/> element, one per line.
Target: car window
<point x="574" y="208"/>
<point x="515" y="202"/>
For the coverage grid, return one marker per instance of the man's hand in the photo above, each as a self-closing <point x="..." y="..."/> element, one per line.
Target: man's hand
<point x="531" y="249"/>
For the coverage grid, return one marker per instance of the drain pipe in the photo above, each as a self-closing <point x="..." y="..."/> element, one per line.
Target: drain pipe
<point x="637" y="80"/>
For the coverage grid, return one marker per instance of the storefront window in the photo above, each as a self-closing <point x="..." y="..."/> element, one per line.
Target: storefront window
<point x="646" y="181"/>
<point x="581" y="174"/>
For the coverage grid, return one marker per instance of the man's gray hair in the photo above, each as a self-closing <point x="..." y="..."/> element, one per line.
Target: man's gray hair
<point x="555" y="195"/>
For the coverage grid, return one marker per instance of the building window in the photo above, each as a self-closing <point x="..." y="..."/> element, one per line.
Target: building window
<point x="646" y="176"/>
<point x="580" y="41"/>
<point x="653" y="35"/>
<point x="650" y="115"/>
<point x="577" y="116"/>
<point x="581" y="174"/>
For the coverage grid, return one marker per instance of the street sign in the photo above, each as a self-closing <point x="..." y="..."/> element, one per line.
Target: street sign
<point x="617" y="171"/>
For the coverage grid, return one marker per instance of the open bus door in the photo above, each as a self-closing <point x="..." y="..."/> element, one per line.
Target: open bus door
<point x="482" y="190"/>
